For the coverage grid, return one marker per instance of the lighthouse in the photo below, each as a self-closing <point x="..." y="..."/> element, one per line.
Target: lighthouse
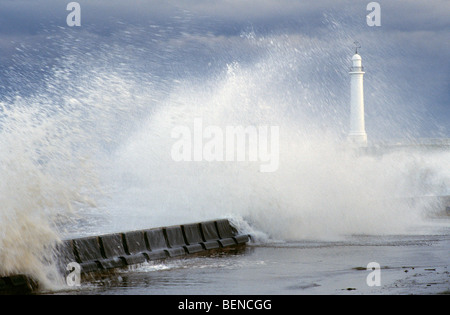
<point x="357" y="134"/>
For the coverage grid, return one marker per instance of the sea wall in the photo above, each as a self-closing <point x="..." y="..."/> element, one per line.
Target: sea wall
<point x="119" y="250"/>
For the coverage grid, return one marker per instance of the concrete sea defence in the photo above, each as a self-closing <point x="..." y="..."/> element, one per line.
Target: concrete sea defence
<point x="100" y="253"/>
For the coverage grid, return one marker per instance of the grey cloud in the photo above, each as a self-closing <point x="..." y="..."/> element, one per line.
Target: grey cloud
<point x="409" y="51"/>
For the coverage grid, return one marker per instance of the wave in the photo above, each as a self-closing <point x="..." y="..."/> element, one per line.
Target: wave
<point x="90" y="152"/>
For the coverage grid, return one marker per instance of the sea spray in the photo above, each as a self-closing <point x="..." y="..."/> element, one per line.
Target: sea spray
<point x="322" y="189"/>
<point x="52" y="142"/>
<point x="89" y="151"/>
<point x="41" y="182"/>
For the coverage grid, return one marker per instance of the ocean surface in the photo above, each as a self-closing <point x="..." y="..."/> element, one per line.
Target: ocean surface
<point x="408" y="264"/>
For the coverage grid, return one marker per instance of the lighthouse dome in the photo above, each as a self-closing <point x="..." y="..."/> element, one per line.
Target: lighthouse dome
<point x="356" y="61"/>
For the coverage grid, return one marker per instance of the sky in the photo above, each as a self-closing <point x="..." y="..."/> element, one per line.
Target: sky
<point x="406" y="57"/>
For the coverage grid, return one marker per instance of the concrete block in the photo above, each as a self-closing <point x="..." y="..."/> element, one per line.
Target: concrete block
<point x="192" y="233"/>
<point x="65" y="250"/>
<point x="87" y="249"/>
<point x="113" y="250"/>
<point x="90" y="266"/>
<point x="209" y="230"/>
<point x="193" y="237"/>
<point x="3" y="284"/>
<point x="17" y="284"/>
<point x="157" y="244"/>
<point x="88" y="253"/>
<point x="157" y="254"/>
<point x="225" y="242"/>
<point x="210" y="235"/>
<point x="115" y="262"/>
<point x="135" y="242"/>
<point x="135" y="247"/>
<point x="241" y="239"/>
<point x="175" y="236"/>
<point x="177" y="251"/>
<point x="175" y="240"/>
<point x="194" y="248"/>
<point x="226" y="231"/>
<point x="18" y="280"/>
<point x="112" y="245"/>
<point x="135" y="259"/>
<point x="65" y="254"/>
<point x="211" y="244"/>
<point x="156" y="239"/>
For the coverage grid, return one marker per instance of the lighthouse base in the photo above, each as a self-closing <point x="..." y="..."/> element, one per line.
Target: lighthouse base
<point x="358" y="139"/>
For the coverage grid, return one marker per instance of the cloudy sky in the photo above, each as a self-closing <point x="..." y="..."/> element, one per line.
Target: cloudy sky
<point x="406" y="58"/>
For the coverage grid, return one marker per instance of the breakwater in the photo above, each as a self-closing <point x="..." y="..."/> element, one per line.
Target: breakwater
<point x="98" y="253"/>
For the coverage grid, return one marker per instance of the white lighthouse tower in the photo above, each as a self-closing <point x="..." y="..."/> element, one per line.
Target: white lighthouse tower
<point x="357" y="134"/>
